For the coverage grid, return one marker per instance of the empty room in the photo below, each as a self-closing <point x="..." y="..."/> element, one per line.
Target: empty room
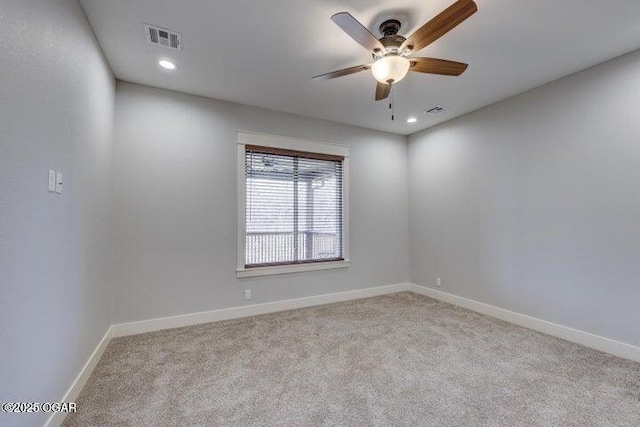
<point x="319" y="213"/>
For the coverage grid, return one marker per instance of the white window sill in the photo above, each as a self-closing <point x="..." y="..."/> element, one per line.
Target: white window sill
<point x="295" y="268"/>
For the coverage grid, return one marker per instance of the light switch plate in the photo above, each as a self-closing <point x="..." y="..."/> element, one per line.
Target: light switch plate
<point x="59" y="183"/>
<point x="52" y="180"/>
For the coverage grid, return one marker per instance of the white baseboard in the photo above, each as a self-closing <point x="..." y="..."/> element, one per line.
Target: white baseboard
<point x="134" y="328"/>
<point x="617" y="348"/>
<point x="72" y="393"/>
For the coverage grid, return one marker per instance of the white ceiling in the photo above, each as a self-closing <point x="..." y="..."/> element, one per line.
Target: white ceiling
<point x="264" y="52"/>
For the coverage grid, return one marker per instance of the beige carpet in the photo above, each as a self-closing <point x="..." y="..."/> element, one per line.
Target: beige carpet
<point x="396" y="360"/>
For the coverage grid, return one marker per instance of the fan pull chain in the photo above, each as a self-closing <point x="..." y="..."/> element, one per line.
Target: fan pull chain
<point x="392" y="108"/>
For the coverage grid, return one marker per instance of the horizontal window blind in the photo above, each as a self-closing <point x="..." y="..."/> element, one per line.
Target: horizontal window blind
<point x="294" y="207"/>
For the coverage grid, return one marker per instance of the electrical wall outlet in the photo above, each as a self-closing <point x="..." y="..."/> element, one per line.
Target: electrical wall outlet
<point x="247" y="294"/>
<point x="438" y="282"/>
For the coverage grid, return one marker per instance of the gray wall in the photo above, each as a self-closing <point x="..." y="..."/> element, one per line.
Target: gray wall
<point x="533" y="204"/>
<point x="56" y="110"/>
<point x="175" y="213"/>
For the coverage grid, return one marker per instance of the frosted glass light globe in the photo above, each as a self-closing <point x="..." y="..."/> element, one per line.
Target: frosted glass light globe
<point x="390" y="69"/>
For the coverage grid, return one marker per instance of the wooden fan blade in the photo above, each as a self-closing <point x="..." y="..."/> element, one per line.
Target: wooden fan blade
<point x="340" y="73"/>
<point x="382" y="91"/>
<point x="437" y="66"/>
<point x="446" y="21"/>
<point x="357" y="31"/>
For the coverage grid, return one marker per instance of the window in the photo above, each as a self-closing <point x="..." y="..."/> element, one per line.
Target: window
<point x="293" y="205"/>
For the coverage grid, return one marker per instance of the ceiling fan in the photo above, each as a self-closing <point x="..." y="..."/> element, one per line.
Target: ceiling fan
<point x="391" y="60"/>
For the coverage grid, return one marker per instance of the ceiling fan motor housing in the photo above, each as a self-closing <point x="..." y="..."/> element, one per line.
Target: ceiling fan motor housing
<point x="391" y="40"/>
<point x="390" y="27"/>
<point x="392" y="43"/>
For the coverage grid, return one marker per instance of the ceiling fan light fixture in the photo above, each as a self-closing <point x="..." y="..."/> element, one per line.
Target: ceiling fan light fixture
<point x="390" y="69"/>
<point x="390" y="52"/>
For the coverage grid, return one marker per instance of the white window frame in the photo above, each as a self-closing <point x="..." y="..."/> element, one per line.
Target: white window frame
<point x="287" y="143"/>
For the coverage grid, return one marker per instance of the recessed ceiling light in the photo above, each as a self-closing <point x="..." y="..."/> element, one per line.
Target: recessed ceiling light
<point x="168" y="65"/>
<point x="412" y="120"/>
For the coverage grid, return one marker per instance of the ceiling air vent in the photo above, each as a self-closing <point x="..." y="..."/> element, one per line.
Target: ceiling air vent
<point x="163" y="37"/>
<point x="435" y="110"/>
